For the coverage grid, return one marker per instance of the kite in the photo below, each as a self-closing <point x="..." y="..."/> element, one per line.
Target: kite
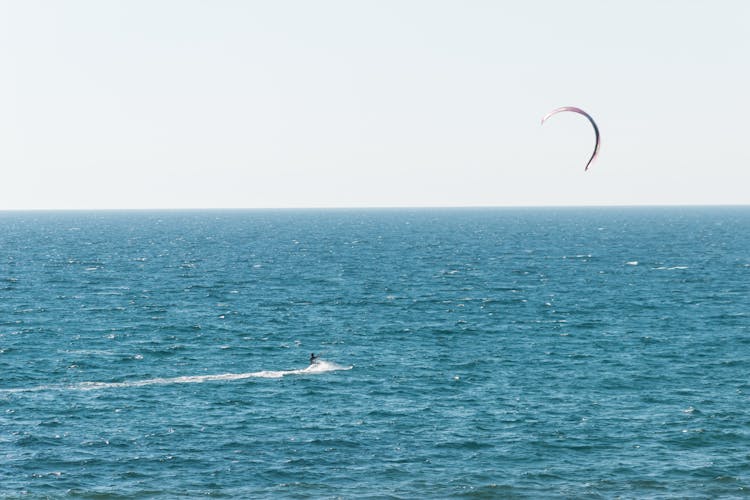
<point x="593" y="123"/>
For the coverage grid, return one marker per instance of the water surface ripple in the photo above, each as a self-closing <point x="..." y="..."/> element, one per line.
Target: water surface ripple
<point x="486" y="353"/>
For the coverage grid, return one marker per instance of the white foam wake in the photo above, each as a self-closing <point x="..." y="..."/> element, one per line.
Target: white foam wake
<point x="315" y="368"/>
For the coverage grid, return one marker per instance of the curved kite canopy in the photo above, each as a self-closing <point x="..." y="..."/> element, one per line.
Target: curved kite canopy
<point x="593" y="123"/>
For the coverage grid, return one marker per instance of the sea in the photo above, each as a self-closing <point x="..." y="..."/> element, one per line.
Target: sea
<point x="461" y="353"/>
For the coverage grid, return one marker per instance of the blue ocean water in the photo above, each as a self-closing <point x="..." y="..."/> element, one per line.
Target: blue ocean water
<point x="491" y="353"/>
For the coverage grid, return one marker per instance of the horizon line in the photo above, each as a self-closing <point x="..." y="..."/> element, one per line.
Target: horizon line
<point x="367" y="207"/>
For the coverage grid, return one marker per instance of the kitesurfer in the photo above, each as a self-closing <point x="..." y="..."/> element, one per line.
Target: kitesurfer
<point x="313" y="358"/>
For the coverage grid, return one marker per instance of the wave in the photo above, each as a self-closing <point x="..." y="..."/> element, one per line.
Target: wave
<point x="315" y="368"/>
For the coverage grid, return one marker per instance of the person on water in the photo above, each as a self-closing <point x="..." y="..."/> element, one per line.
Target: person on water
<point x="313" y="358"/>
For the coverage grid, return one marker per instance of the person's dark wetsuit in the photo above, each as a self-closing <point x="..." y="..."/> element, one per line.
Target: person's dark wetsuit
<point x="313" y="358"/>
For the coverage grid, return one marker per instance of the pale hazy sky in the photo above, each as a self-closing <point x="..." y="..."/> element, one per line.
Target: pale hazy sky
<point x="177" y="104"/>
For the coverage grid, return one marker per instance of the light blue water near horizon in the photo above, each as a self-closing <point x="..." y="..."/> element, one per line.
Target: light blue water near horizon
<point x="480" y="353"/>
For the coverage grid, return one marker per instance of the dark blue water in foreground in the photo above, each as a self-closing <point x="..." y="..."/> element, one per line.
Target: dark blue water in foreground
<point x="467" y="353"/>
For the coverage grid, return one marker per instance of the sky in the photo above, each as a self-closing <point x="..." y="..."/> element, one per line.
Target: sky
<point x="371" y="103"/>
